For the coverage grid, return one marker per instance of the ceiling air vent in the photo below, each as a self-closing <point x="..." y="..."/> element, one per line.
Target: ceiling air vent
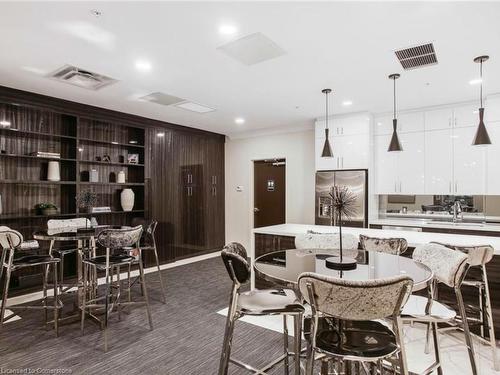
<point x="162" y="98"/>
<point x="417" y="56"/>
<point x="252" y="49"/>
<point x="81" y="78"/>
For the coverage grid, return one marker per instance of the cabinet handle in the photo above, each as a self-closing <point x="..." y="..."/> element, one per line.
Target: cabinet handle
<point x="342" y="162"/>
<point x="342" y="132"/>
<point x="400" y="185"/>
<point x="456" y="122"/>
<point x="456" y="186"/>
<point x="337" y="162"/>
<point x="395" y="187"/>
<point x="449" y="122"/>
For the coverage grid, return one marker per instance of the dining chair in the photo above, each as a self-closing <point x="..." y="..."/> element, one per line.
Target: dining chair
<point x="356" y="337"/>
<point x="60" y="225"/>
<point x="148" y="244"/>
<point x="450" y="268"/>
<point x="281" y="302"/>
<point x="10" y="241"/>
<point x="313" y="240"/>
<point x="477" y="258"/>
<point x="112" y="240"/>
<point x="394" y="246"/>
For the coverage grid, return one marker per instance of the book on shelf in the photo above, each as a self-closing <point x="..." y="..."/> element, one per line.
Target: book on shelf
<point x="43" y="154"/>
<point x="101" y="209"/>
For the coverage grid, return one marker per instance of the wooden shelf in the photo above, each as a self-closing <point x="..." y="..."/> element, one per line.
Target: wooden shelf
<point x="34" y="133"/>
<point x="110" y="213"/>
<point x="35" y="157"/>
<point x="32" y="216"/>
<point x="109" y="163"/>
<point x="111" y="143"/>
<point x="112" y="183"/>
<point x="24" y="182"/>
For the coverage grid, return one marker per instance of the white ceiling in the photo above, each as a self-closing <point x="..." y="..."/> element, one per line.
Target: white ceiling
<point x="346" y="46"/>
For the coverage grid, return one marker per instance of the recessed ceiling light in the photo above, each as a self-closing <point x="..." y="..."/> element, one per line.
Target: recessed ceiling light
<point x="346" y="103"/>
<point x="95" y="12"/>
<point x="475" y="81"/>
<point x="160" y="134"/>
<point x="114" y="143"/>
<point x="80" y="149"/>
<point x="4" y="123"/>
<point x="227" y="29"/>
<point x="132" y="142"/>
<point x="239" y="120"/>
<point x="143" y="65"/>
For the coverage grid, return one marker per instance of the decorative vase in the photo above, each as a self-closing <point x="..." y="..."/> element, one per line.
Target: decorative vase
<point x="49" y="211"/>
<point x="53" y="172"/>
<point x="127" y="199"/>
<point x="121" y="177"/>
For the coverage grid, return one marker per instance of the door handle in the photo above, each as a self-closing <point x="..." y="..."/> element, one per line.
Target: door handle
<point x="255" y="210"/>
<point x="400" y="186"/>
<point x="342" y="156"/>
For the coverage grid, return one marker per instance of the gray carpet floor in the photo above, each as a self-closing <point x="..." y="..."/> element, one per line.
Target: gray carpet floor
<point x="186" y="339"/>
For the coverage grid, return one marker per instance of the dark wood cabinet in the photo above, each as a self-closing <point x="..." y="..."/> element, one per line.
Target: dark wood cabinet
<point x="178" y="181"/>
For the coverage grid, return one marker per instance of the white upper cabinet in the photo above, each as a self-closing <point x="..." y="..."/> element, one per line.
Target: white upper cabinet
<point x="386" y="179"/>
<point x="492" y="110"/>
<point x="411" y="122"/>
<point x="468" y="163"/>
<point x="411" y="164"/>
<point x="439" y="162"/>
<point x="493" y="160"/>
<point x="383" y="125"/>
<point x="438" y="119"/>
<point x="466" y="115"/>
<point x="350" y="141"/>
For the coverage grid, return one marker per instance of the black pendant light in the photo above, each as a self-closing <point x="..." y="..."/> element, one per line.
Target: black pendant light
<point x="482" y="138"/>
<point x="395" y="145"/>
<point x="327" y="149"/>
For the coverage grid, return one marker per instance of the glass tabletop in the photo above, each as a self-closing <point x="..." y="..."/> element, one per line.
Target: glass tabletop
<point x="73" y="234"/>
<point x="285" y="266"/>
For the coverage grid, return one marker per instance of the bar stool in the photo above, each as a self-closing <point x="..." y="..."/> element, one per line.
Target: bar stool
<point x="355" y="337"/>
<point x="59" y="225"/>
<point x="113" y="239"/>
<point x="394" y="246"/>
<point x="257" y="302"/>
<point x="449" y="267"/>
<point x="10" y="241"/>
<point x="477" y="257"/>
<point x="148" y="243"/>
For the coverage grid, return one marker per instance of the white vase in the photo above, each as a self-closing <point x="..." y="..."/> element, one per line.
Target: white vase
<point x="53" y="173"/>
<point x="127" y="199"/>
<point x="121" y="177"/>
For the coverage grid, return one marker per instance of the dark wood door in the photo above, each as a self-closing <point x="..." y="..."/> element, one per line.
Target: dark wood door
<point x="269" y="192"/>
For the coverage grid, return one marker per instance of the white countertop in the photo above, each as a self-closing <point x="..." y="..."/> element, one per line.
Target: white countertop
<point x="413" y="238"/>
<point x="424" y="223"/>
<point x="440" y="215"/>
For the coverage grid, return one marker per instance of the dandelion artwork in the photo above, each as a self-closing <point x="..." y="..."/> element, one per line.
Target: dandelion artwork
<point x="343" y="207"/>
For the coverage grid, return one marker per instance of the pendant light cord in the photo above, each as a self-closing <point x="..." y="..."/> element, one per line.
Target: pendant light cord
<point x="481" y="77"/>
<point x="326" y="98"/>
<point x="394" y="93"/>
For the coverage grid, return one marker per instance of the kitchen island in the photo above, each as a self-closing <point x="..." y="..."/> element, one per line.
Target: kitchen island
<point x="282" y="237"/>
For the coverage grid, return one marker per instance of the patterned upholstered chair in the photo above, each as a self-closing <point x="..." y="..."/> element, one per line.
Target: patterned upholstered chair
<point x="10" y="242"/>
<point x="112" y="240"/>
<point x="449" y="267"/>
<point x="312" y="240"/>
<point x="478" y="257"/>
<point x="58" y="226"/>
<point x="257" y="302"/>
<point x="356" y="337"/>
<point x="394" y="246"/>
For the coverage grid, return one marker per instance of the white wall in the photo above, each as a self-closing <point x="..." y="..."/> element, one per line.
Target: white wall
<point x="298" y="150"/>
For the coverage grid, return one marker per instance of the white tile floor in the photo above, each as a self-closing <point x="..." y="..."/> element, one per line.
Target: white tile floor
<point x="454" y="354"/>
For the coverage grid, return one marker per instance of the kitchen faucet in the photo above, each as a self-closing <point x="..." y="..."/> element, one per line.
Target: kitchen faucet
<point x="457" y="209"/>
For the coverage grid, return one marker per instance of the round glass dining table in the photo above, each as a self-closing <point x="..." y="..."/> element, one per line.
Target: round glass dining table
<point x="285" y="266"/>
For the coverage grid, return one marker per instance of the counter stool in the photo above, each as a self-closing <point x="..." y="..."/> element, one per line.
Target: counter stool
<point x="449" y="267"/>
<point x="257" y="302"/>
<point x="356" y="337"/>
<point x="10" y="241"/>
<point x="477" y="258"/>
<point x="113" y="239"/>
<point x="394" y="246"/>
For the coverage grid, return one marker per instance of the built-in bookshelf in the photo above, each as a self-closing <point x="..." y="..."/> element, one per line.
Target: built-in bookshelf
<point x="90" y="153"/>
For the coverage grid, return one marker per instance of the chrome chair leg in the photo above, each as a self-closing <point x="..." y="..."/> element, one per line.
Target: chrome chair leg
<point x="2" y="262"/>
<point x="226" y="345"/>
<point x="162" y="286"/>
<point x="297" y="341"/>
<point x="310" y="360"/>
<point x="437" y="353"/>
<point x="56" y="301"/>
<point x="5" y="295"/>
<point x="129" y="283"/>
<point x="285" y="345"/>
<point x="84" y="298"/>
<point x="489" y="313"/>
<point x="44" y="291"/>
<point x="400" y="342"/>
<point x="118" y="295"/>
<point x="106" y="307"/>
<point x="145" y="291"/>
<point x="468" y="339"/>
